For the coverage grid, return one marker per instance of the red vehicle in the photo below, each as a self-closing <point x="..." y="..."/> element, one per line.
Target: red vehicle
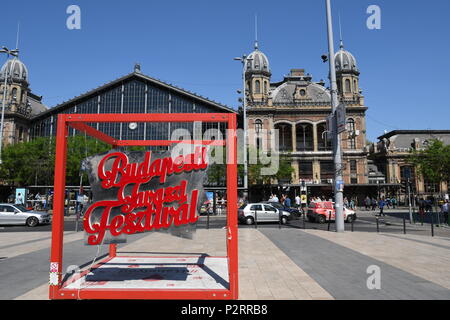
<point x="321" y="212"/>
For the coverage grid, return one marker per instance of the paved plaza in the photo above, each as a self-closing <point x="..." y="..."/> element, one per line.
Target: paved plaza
<point x="290" y="263"/>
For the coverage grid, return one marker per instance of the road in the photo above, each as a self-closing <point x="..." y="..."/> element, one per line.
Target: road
<point x="21" y="272"/>
<point x="366" y="222"/>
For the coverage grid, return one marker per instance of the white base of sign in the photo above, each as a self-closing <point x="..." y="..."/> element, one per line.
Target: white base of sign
<point x="193" y="272"/>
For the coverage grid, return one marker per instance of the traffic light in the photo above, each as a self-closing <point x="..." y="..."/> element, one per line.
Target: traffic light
<point x="403" y="187"/>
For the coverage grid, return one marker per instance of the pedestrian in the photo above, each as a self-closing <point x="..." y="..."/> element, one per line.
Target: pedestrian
<point x="275" y="198"/>
<point x="394" y="202"/>
<point x="421" y="207"/>
<point x="445" y="210"/>
<point x="287" y="201"/>
<point x="346" y="203"/>
<point x="367" y="203"/>
<point x="374" y="204"/>
<point x="298" y="201"/>
<point x="381" y="204"/>
<point x="352" y="204"/>
<point x="428" y="206"/>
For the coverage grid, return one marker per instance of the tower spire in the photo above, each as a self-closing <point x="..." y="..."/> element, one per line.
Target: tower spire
<point x="17" y="37"/>
<point x="256" y="31"/>
<point x="340" y="33"/>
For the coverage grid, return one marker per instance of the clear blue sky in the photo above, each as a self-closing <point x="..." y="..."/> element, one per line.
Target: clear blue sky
<point x="404" y="66"/>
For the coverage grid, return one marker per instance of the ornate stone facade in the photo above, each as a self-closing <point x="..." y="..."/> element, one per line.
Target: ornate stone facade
<point x="297" y="108"/>
<point x="391" y="152"/>
<point x="20" y="103"/>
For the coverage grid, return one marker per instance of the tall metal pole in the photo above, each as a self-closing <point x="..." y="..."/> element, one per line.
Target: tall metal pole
<point x="338" y="192"/>
<point x="244" y="60"/>
<point x="244" y="93"/>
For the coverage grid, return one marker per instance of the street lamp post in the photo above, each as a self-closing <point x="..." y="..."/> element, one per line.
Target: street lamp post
<point x="8" y="53"/>
<point x="338" y="186"/>
<point x="244" y="59"/>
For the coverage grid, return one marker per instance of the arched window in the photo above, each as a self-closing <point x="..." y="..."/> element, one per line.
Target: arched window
<point x="257" y="86"/>
<point x="284" y="131"/>
<point x="304" y="137"/>
<point x="355" y="87"/>
<point x="322" y="141"/>
<point x="258" y="126"/>
<point x="265" y="87"/>
<point x="348" y="85"/>
<point x="14" y="93"/>
<point x="351" y="128"/>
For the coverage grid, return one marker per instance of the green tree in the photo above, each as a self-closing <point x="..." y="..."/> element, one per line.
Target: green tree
<point x="284" y="172"/>
<point x="33" y="162"/>
<point x="433" y="163"/>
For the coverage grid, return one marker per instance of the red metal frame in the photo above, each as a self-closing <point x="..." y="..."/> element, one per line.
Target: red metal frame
<point x="79" y="122"/>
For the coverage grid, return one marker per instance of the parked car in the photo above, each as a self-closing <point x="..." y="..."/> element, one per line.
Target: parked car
<point x="16" y="214"/>
<point x="295" y="213"/>
<point x="320" y="212"/>
<point x="262" y="212"/>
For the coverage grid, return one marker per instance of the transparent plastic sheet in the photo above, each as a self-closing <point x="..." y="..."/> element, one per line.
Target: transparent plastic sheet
<point x="144" y="188"/>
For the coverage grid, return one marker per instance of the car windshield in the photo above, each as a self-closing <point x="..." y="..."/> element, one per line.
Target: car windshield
<point x="243" y="206"/>
<point x="275" y="204"/>
<point x="21" y="208"/>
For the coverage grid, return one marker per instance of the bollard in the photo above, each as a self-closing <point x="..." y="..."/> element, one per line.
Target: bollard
<point x="207" y="218"/>
<point x="279" y="219"/>
<point x="404" y="224"/>
<point x="329" y="220"/>
<point x="353" y="223"/>
<point x="378" y="225"/>
<point x="421" y="218"/>
<point x="432" y="225"/>
<point x="304" y="223"/>
<point x="256" y="219"/>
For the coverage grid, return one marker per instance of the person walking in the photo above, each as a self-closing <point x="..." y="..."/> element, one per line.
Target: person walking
<point x="388" y="202"/>
<point x="367" y="203"/>
<point x="275" y="198"/>
<point x="287" y="201"/>
<point x="374" y="204"/>
<point x="394" y="202"/>
<point x="298" y="201"/>
<point x="346" y="203"/>
<point x="444" y="211"/>
<point x="381" y="205"/>
<point x="352" y="204"/>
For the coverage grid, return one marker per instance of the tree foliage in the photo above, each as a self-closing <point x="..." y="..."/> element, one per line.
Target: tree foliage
<point x="33" y="162"/>
<point x="433" y="163"/>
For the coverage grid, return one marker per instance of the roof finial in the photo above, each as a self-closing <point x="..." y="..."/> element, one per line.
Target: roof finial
<point x="256" y="31"/>
<point x="17" y="37"/>
<point x="137" y="67"/>
<point x="340" y="32"/>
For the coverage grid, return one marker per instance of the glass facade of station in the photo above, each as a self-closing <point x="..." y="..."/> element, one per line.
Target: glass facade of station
<point x="132" y="95"/>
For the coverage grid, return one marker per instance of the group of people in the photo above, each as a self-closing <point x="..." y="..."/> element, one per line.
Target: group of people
<point x="373" y="203"/>
<point x="285" y="200"/>
<point x="349" y="204"/>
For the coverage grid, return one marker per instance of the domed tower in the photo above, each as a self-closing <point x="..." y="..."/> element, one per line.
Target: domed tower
<point x="17" y="86"/>
<point x="347" y="74"/>
<point x="257" y="76"/>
